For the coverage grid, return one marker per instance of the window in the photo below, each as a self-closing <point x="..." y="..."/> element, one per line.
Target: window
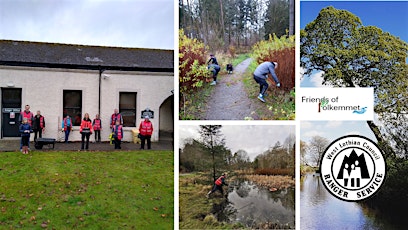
<point x="72" y="105"/>
<point x="127" y="107"/>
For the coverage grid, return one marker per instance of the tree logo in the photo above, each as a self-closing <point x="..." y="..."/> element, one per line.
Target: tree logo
<point x="353" y="168"/>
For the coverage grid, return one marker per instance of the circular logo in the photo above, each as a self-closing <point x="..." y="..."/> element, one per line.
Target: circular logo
<point x="353" y="168"/>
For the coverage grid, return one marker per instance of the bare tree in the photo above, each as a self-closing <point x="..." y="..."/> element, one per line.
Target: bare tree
<point x="315" y="149"/>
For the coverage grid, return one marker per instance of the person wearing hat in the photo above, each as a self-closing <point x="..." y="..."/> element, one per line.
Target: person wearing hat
<point x="145" y="131"/>
<point x="218" y="185"/>
<point x="261" y="74"/>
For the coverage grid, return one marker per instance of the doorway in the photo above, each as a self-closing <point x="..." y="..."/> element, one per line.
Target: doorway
<point x="10" y="111"/>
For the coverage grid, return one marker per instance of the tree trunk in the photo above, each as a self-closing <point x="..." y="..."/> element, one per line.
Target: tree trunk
<point x="388" y="151"/>
<point x="291" y="17"/>
<point x="222" y="24"/>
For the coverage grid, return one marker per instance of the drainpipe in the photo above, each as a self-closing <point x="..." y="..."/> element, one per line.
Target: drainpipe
<point x="99" y="95"/>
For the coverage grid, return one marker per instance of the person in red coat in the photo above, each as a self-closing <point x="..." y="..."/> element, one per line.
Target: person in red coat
<point x="86" y="130"/>
<point x="145" y="131"/>
<point x="218" y="185"/>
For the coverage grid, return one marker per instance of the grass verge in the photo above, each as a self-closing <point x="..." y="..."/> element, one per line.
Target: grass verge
<point x="87" y="190"/>
<point x="194" y="105"/>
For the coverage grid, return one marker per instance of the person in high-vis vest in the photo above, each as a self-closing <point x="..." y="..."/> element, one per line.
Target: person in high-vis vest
<point x="97" y="127"/>
<point x="29" y="116"/>
<point x="116" y="116"/>
<point x="146" y="131"/>
<point x="86" y="130"/>
<point x="66" y="126"/>
<point x="117" y="133"/>
<point x="38" y="125"/>
<point x="218" y="185"/>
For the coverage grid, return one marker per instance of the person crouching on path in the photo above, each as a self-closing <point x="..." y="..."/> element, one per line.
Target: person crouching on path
<point x="66" y="126"/>
<point x="38" y="125"/>
<point x="97" y="127"/>
<point x="117" y="131"/>
<point x="145" y="130"/>
<point x="25" y="130"/>
<point x="215" y="69"/>
<point x="218" y="185"/>
<point x="261" y="74"/>
<point x="86" y="130"/>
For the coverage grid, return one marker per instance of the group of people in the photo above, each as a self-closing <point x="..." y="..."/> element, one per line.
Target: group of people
<point x="260" y="74"/>
<point x="30" y="123"/>
<point x="88" y="127"/>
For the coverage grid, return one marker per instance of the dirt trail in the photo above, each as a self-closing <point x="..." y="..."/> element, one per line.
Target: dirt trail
<point x="229" y="100"/>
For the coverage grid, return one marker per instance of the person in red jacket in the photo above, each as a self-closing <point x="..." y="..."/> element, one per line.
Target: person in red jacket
<point x="117" y="131"/>
<point x="86" y="130"/>
<point x="116" y="116"/>
<point x="97" y="127"/>
<point x="218" y="185"/>
<point x="145" y="131"/>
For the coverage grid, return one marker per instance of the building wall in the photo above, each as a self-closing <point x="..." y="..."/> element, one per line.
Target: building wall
<point x="42" y="89"/>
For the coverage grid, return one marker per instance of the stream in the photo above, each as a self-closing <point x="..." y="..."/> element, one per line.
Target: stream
<point x="321" y="210"/>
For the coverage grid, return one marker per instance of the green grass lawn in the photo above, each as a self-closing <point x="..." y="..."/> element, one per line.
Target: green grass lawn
<point x="87" y="190"/>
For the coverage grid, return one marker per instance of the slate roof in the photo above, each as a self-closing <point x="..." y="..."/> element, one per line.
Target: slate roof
<point x="53" y="55"/>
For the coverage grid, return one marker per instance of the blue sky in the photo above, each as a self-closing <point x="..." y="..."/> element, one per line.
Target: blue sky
<point x="390" y="16"/>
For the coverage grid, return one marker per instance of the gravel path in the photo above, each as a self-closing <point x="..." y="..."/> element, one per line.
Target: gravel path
<point x="229" y="100"/>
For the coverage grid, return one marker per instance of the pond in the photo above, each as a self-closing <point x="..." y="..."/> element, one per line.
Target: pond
<point x="320" y="210"/>
<point x="251" y="205"/>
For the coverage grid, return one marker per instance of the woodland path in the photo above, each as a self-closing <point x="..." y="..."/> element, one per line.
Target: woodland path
<point x="229" y="100"/>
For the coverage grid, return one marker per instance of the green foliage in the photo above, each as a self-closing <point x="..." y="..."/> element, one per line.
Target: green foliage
<point x="87" y="190"/>
<point x="393" y="196"/>
<point x="277" y="18"/>
<point x="353" y="55"/>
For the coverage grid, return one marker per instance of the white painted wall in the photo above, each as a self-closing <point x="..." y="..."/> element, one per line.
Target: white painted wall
<point x="42" y="89"/>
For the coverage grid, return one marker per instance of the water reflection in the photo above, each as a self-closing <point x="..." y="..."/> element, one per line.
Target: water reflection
<point x="250" y="205"/>
<point x="320" y="210"/>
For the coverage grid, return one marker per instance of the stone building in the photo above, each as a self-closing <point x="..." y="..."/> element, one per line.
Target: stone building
<point x="60" y="79"/>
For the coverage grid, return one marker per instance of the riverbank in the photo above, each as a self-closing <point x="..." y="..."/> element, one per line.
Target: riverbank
<point x="272" y="183"/>
<point x="196" y="210"/>
<point x="199" y="212"/>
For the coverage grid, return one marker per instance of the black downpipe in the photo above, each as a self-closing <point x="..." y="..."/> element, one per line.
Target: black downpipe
<point x="99" y="95"/>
